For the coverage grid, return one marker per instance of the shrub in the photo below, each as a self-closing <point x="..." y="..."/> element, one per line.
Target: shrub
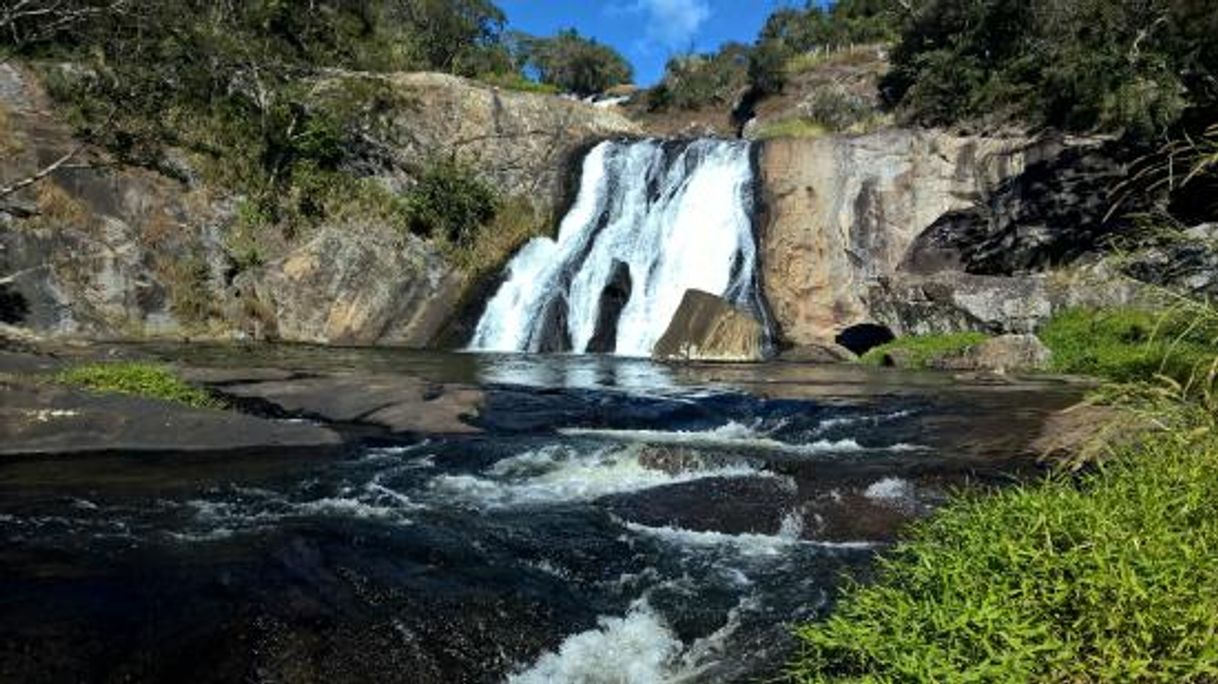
<point x="698" y="81"/>
<point x="450" y="201"/>
<point x="837" y="108"/>
<point x="923" y="349"/>
<point x="139" y="379"/>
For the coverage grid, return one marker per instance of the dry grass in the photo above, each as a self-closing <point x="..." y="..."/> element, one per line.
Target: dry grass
<point x="515" y="223"/>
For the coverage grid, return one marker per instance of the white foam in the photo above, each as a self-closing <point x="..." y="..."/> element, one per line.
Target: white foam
<point x="746" y="544"/>
<point x="733" y="435"/>
<point x="890" y="489"/>
<point x="638" y="648"/>
<point x="561" y="474"/>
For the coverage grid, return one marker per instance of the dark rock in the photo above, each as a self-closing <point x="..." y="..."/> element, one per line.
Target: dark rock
<point x="397" y="403"/>
<point x="553" y="336"/>
<point x="613" y="299"/>
<point x="707" y="328"/>
<point x="1055" y="212"/>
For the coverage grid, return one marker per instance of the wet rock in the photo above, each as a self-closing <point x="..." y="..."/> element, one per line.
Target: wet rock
<point x="399" y="404"/>
<point x="41" y="419"/>
<point x="553" y="336"/>
<point x="818" y="353"/>
<point x="613" y="299"/>
<point x="707" y="328"/>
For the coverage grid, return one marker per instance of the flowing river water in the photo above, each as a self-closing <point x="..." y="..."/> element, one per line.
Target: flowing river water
<point x="616" y="520"/>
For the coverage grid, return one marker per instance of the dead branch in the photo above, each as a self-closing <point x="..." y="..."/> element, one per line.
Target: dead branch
<point x="54" y="166"/>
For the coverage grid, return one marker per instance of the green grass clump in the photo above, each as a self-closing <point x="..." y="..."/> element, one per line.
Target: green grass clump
<point x="1107" y="579"/>
<point x="1129" y="345"/>
<point x="518" y="82"/>
<point x="139" y="379"/>
<point x="924" y="349"/>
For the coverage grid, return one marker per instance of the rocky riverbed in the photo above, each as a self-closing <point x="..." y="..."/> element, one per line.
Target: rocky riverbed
<point x="400" y="516"/>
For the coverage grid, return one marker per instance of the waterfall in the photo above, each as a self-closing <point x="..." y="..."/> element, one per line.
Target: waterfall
<point x="652" y="219"/>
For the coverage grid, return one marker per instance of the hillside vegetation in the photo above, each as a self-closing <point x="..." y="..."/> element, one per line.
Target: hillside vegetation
<point x="242" y="92"/>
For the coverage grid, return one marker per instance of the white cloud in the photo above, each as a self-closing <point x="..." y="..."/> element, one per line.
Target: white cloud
<point x="673" y="23"/>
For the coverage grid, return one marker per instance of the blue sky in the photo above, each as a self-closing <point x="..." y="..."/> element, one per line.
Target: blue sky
<point x="647" y="32"/>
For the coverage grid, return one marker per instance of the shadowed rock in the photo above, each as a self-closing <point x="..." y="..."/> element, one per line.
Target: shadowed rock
<point x="613" y="299"/>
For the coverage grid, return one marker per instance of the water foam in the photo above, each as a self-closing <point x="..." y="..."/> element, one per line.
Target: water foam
<point x="734" y="435"/>
<point x="638" y="648"/>
<point x="562" y="473"/>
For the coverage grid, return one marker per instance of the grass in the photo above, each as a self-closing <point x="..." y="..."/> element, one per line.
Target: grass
<point x="1106" y="579"/>
<point x="1127" y="345"/>
<point x="519" y="83"/>
<point x="1107" y="576"/>
<point x="139" y="379"/>
<point x="791" y="128"/>
<point x="923" y="349"/>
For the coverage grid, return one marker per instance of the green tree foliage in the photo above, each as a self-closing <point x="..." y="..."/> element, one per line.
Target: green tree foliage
<point x="243" y="87"/>
<point x="575" y="64"/>
<point x="697" y="81"/>
<point x="1081" y="65"/>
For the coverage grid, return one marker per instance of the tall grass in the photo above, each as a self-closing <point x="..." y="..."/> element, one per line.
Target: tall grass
<point x="1108" y="576"/>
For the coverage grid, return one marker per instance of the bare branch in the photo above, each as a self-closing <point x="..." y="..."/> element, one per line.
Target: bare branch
<point x="54" y="166"/>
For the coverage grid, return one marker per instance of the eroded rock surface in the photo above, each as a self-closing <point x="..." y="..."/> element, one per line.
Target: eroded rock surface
<point x="841" y="213"/>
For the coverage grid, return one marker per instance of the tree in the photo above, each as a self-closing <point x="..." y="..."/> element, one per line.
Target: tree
<point x="575" y="64"/>
<point x="1081" y="65"/>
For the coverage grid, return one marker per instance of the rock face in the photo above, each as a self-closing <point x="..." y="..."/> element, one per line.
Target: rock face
<point x="841" y="213"/>
<point x="952" y="301"/>
<point x="707" y="328"/>
<point x="524" y="144"/>
<point x="112" y="252"/>
<point x="356" y="285"/>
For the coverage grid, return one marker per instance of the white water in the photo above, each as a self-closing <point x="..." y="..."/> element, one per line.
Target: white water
<point x="677" y="214"/>
<point x="561" y="473"/>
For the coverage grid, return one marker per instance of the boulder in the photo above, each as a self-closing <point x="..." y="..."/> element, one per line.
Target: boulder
<point x="614" y="298"/>
<point x="1001" y="354"/>
<point x="826" y="352"/>
<point x="708" y="328"/>
<point x="952" y="301"/>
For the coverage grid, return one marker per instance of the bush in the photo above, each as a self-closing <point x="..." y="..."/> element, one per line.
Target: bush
<point x="450" y="201"/>
<point x="923" y="349"/>
<point x="838" y="109"/>
<point x="139" y="379"/>
<point x="697" y="81"/>
<point x="1104" y="580"/>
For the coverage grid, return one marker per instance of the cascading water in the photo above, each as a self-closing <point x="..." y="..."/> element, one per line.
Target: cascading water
<point x="652" y="220"/>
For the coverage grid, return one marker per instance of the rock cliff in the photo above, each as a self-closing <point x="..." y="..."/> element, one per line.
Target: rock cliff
<point x="116" y="252"/>
<point x="841" y="212"/>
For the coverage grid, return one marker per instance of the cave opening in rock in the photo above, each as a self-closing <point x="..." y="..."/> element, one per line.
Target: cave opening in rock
<point x="864" y="337"/>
